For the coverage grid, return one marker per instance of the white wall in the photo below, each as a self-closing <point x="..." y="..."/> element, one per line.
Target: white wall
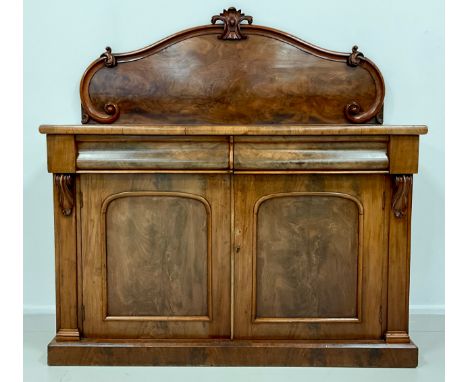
<point x="404" y="38"/>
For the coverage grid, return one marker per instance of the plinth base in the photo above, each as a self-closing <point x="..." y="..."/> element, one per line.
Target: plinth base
<point x="232" y="353"/>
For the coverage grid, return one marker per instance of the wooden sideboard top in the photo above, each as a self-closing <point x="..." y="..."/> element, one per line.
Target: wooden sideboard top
<point x="234" y="129"/>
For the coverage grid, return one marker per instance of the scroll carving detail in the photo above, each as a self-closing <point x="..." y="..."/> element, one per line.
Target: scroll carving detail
<point x="64" y="183"/>
<point x="353" y="110"/>
<point x="111" y="111"/>
<point x="232" y="19"/>
<point x="110" y="60"/>
<point x="84" y="116"/>
<point x="355" y="57"/>
<point x="402" y="188"/>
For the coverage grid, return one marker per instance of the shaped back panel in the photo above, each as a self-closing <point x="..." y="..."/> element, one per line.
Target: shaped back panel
<point x="258" y="76"/>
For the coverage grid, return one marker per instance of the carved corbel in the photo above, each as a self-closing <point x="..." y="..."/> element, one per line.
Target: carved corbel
<point x="401" y="190"/>
<point x="64" y="184"/>
<point x="232" y="19"/>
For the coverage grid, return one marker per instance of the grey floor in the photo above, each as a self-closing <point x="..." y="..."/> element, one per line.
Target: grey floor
<point x="426" y="331"/>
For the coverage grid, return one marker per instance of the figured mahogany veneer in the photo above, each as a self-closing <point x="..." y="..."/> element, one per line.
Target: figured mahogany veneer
<point x="268" y="77"/>
<point x="169" y="278"/>
<point x="232" y="200"/>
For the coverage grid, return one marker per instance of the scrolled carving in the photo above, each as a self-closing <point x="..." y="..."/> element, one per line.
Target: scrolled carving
<point x="401" y="190"/>
<point x="379" y="116"/>
<point x="111" y="111"/>
<point x="232" y="19"/>
<point x="353" y="111"/>
<point x="64" y="184"/>
<point x="354" y="58"/>
<point x="110" y="60"/>
<point x="84" y="116"/>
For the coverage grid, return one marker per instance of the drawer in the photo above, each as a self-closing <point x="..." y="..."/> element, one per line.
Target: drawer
<point x="150" y="153"/>
<point x="317" y="153"/>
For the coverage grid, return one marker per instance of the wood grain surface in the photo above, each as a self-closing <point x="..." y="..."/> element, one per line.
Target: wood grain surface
<point x="399" y="252"/>
<point x="195" y="77"/>
<point x="61" y="154"/>
<point x="289" y="245"/>
<point x="404" y="151"/>
<point x="306" y="256"/>
<point x="300" y="154"/>
<point x="66" y="264"/>
<point x="157" y="254"/>
<point x="161" y="129"/>
<point x="233" y="353"/>
<point x="169" y="153"/>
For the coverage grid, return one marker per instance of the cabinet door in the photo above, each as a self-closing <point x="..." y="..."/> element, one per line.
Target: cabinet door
<point x="310" y="256"/>
<point x="155" y="255"/>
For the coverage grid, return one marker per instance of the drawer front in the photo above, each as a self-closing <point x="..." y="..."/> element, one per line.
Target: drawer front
<point x="258" y="153"/>
<point x="170" y="153"/>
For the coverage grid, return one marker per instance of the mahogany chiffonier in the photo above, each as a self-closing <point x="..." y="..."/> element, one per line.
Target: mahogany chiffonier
<point x="232" y="198"/>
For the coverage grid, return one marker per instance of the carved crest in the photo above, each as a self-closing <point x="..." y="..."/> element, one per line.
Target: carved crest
<point x="232" y="19"/>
